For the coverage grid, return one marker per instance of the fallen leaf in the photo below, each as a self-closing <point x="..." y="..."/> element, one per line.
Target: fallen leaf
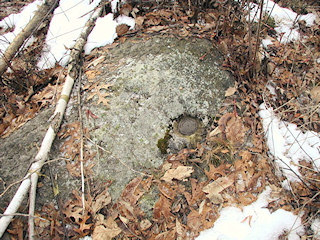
<point x="84" y="225"/>
<point x="167" y="191"/>
<point x="235" y="131"/>
<point x="213" y="189"/>
<point x="157" y="28"/>
<point x="122" y="29"/>
<point x="145" y="224"/>
<point x="214" y="132"/>
<point x="106" y="230"/>
<point x="102" y="200"/>
<point x="214" y="171"/>
<point x="246" y="155"/>
<point x="230" y="91"/>
<point x="123" y="219"/>
<point x="180" y="173"/>
<point x="132" y="192"/>
<point x="315" y="94"/>
<point x="91" y="74"/>
<point x="194" y="220"/>
<point x="101" y="95"/>
<point x="139" y="21"/>
<point x="163" y="208"/>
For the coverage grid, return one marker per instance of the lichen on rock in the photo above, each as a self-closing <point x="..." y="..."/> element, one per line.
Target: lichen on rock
<point x="153" y="83"/>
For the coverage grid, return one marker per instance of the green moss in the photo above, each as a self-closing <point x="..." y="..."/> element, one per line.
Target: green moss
<point x="164" y="142"/>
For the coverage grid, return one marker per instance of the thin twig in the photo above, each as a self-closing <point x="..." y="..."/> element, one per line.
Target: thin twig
<point x="20" y="180"/>
<point x="57" y="197"/>
<point x="258" y="35"/>
<point x="23" y="215"/>
<point x="81" y="142"/>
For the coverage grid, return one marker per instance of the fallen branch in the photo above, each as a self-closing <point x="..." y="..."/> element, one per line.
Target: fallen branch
<point x="18" y="41"/>
<point x="32" y="176"/>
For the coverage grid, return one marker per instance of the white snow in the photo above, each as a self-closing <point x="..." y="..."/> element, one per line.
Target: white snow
<point x="288" y="144"/>
<point x="266" y="42"/>
<point x="286" y="20"/>
<point x="114" y="4"/>
<point x="315" y="226"/>
<point x="18" y="22"/>
<point x="66" y="25"/>
<point x="254" y="222"/>
<point x="104" y="31"/>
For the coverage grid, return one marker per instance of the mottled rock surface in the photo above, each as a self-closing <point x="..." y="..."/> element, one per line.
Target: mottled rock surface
<point x="154" y="83"/>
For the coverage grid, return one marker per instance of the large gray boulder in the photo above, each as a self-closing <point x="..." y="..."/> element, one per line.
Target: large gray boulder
<point x="164" y="93"/>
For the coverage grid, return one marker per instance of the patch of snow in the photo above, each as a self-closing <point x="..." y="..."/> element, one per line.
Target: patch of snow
<point x="114" y="4"/>
<point x="271" y="89"/>
<point x="104" y="31"/>
<point x="315" y="226"/>
<point x="18" y="22"/>
<point x="65" y="27"/>
<point x="86" y="238"/>
<point x="288" y="144"/>
<point x="122" y="19"/>
<point x="285" y="19"/>
<point x="266" y="42"/>
<point x="254" y="222"/>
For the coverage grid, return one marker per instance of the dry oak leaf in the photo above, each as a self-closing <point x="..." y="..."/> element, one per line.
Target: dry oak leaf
<point x="214" y="172"/>
<point x="235" y="131"/>
<point x="162" y="208"/>
<point x="84" y="226"/>
<point x="315" y="94"/>
<point x="180" y="173"/>
<point x="122" y="29"/>
<point x="105" y="229"/>
<point x="91" y="75"/>
<point x="102" y="200"/>
<point x="194" y="221"/>
<point x="213" y="189"/>
<point x="233" y="128"/>
<point x="135" y="189"/>
<point x="139" y="21"/>
<point x="145" y="224"/>
<point x="230" y="91"/>
<point x="101" y="95"/>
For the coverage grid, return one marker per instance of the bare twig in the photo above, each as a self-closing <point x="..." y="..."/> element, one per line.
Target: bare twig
<point x="258" y="35"/>
<point x="23" y="215"/>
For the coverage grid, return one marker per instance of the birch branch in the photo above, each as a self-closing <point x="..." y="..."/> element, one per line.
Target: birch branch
<point x="18" y="41"/>
<point x="41" y="157"/>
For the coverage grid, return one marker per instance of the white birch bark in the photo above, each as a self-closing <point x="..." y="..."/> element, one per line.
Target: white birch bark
<point x="34" y="23"/>
<point x="41" y="157"/>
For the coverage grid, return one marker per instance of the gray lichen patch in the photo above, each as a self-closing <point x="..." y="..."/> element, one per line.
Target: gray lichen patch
<point x="153" y="82"/>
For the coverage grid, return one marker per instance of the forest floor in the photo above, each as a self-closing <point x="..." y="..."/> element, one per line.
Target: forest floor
<point x="235" y="159"/>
